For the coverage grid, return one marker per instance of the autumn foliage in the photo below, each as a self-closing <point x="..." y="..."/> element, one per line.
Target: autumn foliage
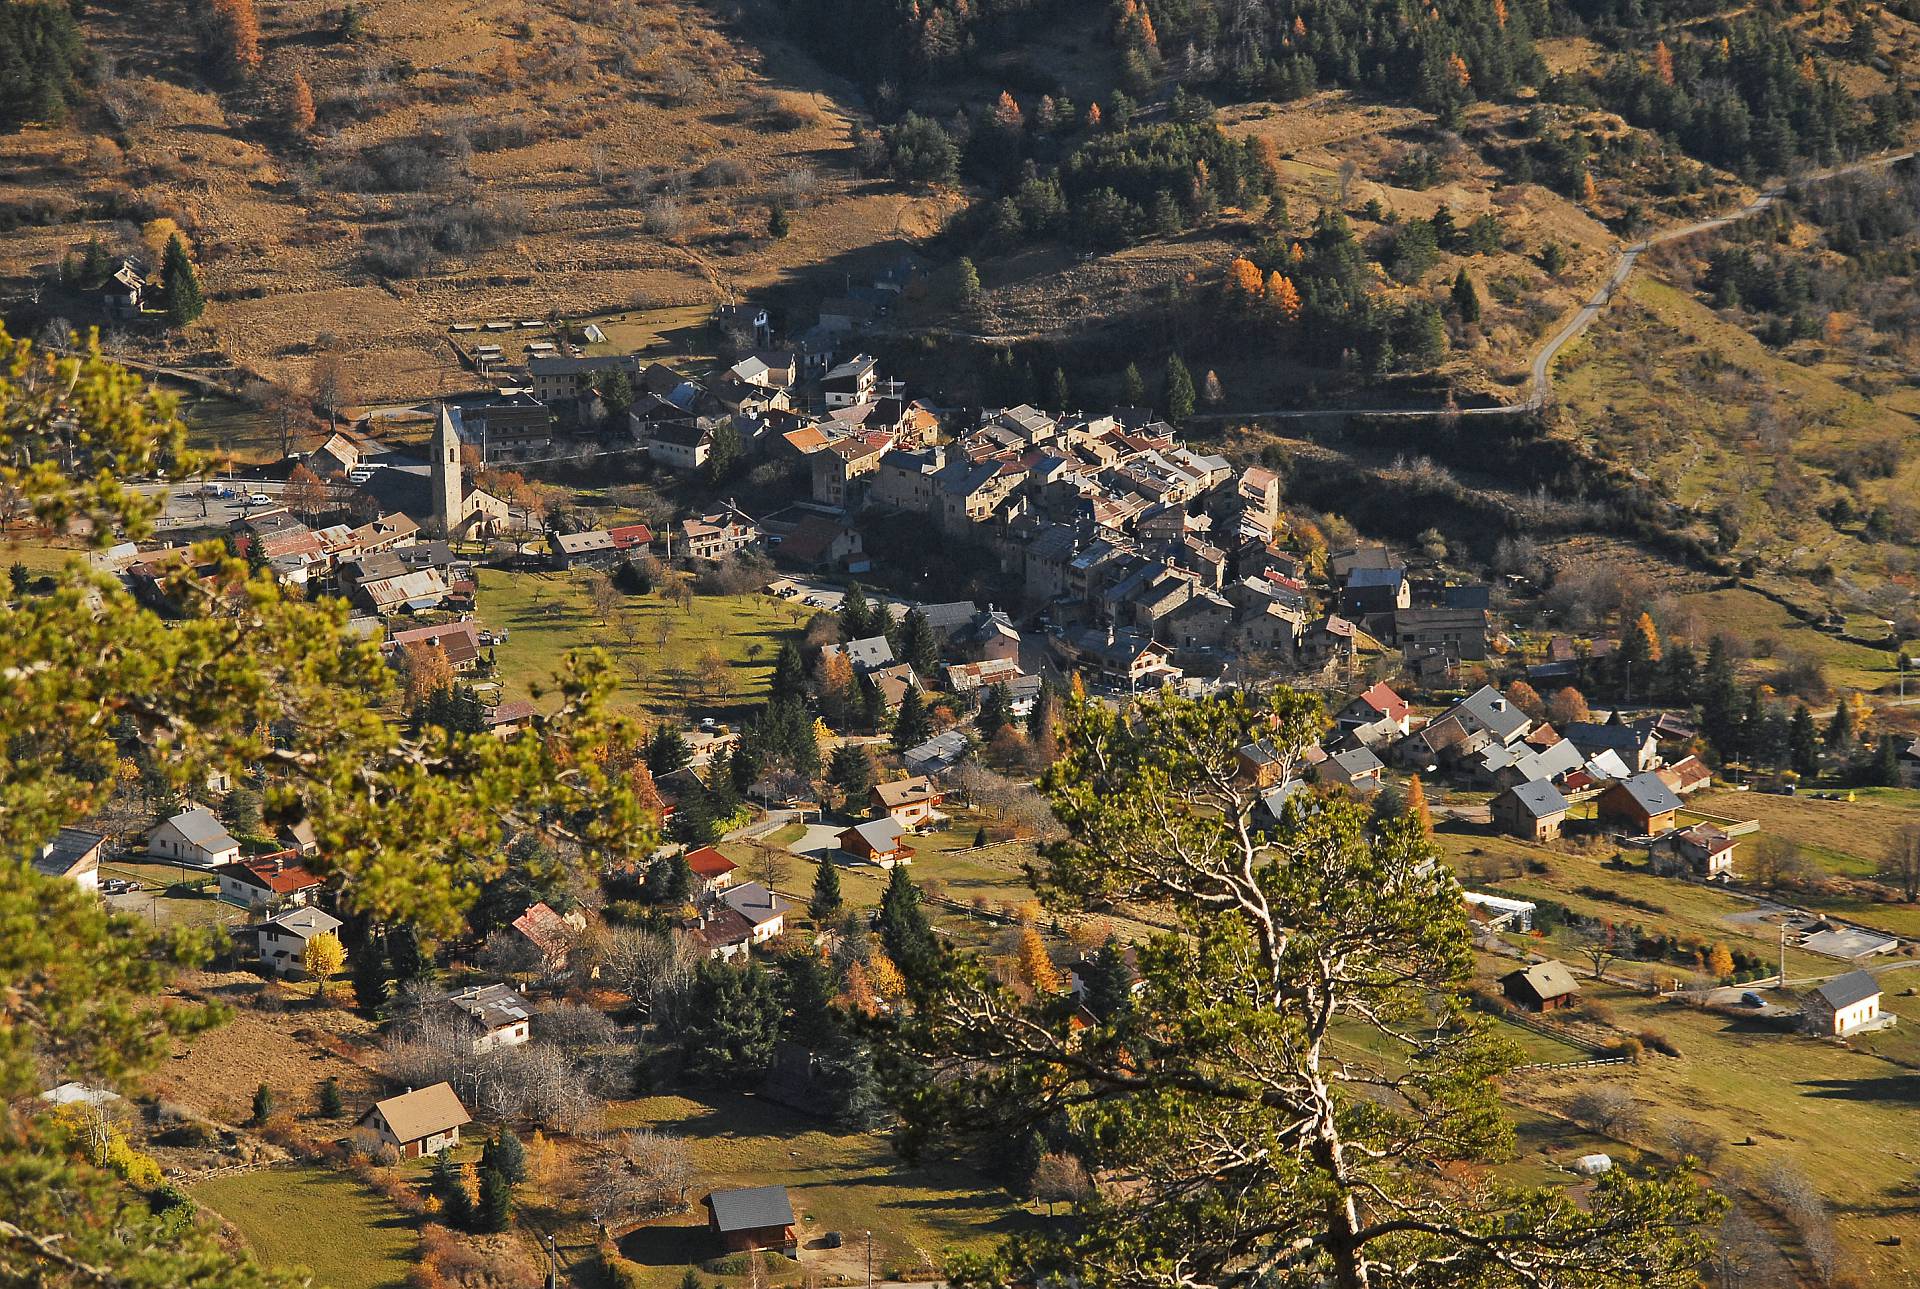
<point x="300" y="114"/>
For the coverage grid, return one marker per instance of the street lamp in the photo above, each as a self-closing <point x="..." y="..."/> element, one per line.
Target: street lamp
<point x="869" y="1260"/>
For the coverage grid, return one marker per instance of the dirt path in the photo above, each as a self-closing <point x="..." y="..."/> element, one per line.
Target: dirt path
<point x="1540" y="382"/>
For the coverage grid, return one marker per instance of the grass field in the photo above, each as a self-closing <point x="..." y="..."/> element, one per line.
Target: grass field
<point x="1843" y="1118"/>
<point x="1752" y="617"/>
<point x="546" y="614"/>
<point x="846" y="1183"/>
<point x="343" y="1233"/>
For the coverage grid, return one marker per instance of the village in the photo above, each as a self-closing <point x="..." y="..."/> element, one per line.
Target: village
<point x="857" y="780"/>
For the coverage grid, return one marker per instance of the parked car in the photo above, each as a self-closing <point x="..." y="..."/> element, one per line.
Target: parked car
<point x="259" y="499"/>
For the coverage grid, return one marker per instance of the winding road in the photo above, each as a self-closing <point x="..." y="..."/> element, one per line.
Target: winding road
<point x="1540" y="383"/>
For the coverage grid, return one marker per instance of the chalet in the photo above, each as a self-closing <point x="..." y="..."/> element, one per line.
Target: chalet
<point x="419" y="1122"/>
<point x="894" y="683"/>
<point x="724" y="933"/>
<point x="1634" y="744"/>
<point x="712" y="871"/>
<point x="1543" y="987"/>
<point x="760" y="906"/>
<point x="1357" y="768"/>
<point x="879" y="841"/>
<point x="300" y="837"/>
<point x="74" y="853"/>
<point x="283" y="938"/>
<point x="758" y="1217"/>
<point x="1378" y="704"/>
<point x="550" y="933"/>
<point x="123" y="295"/>
<point x="941" y="752"/>
<point x="1273" y="800"/>
<point x="865" y="654"/>
<point x="989" y="637"/>
<point x="969" y="677"/>
<point x="909" y="802"/>
<point x="193" y="837"/>
<point x="1686" y="776"/>
<point x="853" y="381"/>
<point x="1642" y="804"/>
<point x="267" y="881"/>
<point x="1533" y="811"/>
<point x="1702" y="851"/>
<point x="459" y="641"/>
<point x="503" y="720"/>
<point x="1843" y="1005"/>
<point x="497" y="1016"/>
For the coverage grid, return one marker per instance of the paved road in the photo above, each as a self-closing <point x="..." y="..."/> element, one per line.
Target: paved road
<point x="1540" y="383"/>
<point x="188" y="506"/>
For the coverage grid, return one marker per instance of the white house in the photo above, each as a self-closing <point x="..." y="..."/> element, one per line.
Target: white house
<point x="193" y="837"/>
<point x="499" y="1016"/>
<point x="1844" y="1005"/>
<point x="283" y="938"/>
<point x="760" y="906"/>
<point x="74" y="853"/>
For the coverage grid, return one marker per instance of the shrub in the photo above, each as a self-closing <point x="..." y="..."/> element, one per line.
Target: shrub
<point x="721" y="172"/>
<point x="663" y="217"/>
<point x="1629" y="1047"/>
<point x="1659" y="1042"/>
<point x="779" y="111"/>
<point x="1608" y="1110"/>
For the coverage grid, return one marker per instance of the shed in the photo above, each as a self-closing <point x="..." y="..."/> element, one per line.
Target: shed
<point x="756" y="1217"/>
<point x="1543" y="987"/>
<point x="1844" y="1005"/>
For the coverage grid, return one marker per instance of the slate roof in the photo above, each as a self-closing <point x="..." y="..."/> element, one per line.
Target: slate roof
<point x="882" y="834"/>
<point x="1540" y="799"/>
<point x="1651" y="793"/>
<point x="755" y="903"/>
<point x="68" y="847"/>
<point x="905" y="792"/>
<point x="1548" y="979"/>
<point x="1358" y="761"/>
<point x="199" y="827"/>
<point x="751" y="1209"/>
<point x="1494" y="713"/>
<point x="491" y="1006"/>
<point x="1845" y="991"/>
<point x="304" y="922"/>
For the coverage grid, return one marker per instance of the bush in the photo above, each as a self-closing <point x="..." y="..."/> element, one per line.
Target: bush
<point x="722" y="172"/>
<point x="779" y="111"/>
<point x="1608" y="1110"/>
<point x="1659" y="1042"/>
<point x="1629" y="1047"/>
<point x="663" y="217"/>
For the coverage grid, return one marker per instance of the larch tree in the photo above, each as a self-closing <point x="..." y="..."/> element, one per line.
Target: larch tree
<point x="1283" y="299"/>
<point x="1415" y="809"/>
<point x="322" y="959"/>
<point x="300" y="110"/>
<point x="1250" y="1139"/>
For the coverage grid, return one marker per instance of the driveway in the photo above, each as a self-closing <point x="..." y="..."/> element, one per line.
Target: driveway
<point x="818" y="841"/>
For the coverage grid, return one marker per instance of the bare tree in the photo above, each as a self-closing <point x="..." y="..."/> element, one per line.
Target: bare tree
<point x="643" y="964"/>
<point x="1901" y="866"/>
<point x="645" y="1175"/>
<point x="1600" y="944"/>
<point x="1060" y="1179"/>
<point x="1608" y="1110"/>
<point x="770" y="865"/>
<point x="1776" y="861"/>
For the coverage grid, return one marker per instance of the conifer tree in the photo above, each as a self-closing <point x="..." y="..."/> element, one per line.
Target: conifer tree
<point x="912" y="725"/>
<point x="1133" y="390"/>
<point x="300" y="112"/>
<point x="826" y="900"/>
<point x="1466" y="300"/>
<point x="179" y="286"/>
<point x="1177" y="393"/>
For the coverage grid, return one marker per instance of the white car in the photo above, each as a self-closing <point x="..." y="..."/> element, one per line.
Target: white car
<point x="259" y="499"/>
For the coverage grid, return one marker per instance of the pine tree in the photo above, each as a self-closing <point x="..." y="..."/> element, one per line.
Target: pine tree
<point x="903" y="927"/>
<point x="789" y="673"/>
<point x="329" y="1103"/>
<point x="980" y="837"/>
<point x="1466" y="300"/>
<point x="1133" y="390"/>
<point x="912" y="726"/>
<point x="262" y="1105"/>
<point x="779" y="224"/>
<point x="496" y="1202"/>
<point x="1803" y="744"/>
<point x="733" y="1021"/>
<point x="1108" y="981"/>
<point x="1177" y="391"/>
<point x="966" y="283"/>
<point x="826" y="901"/>
<point x="996" y="711"/>
<point x="1884" y="771"/>
<point x="506" y="1155"/>
<point x="93" y="264"/>
<point x="1059" y="391"/>
<point x="179" y="286"/>
<point x="856" y="614"/>
<point x="921" y="647"/>
<point x="1842" y="728"/>
<point x="851" y="770"/>
<point x="667" y="751"/>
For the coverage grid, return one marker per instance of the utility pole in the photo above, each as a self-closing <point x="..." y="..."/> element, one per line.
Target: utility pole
<point x="869" y="1260"/>
<point x="1783" y="953"/>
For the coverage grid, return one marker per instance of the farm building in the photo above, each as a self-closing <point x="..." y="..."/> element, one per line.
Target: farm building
<point x="1844" y="1005"/>
<point x="758" y="1217"/>
<point x="1643" y="805"/>
<point x="1534" y="811"/>
<point x="1543" y="987"/>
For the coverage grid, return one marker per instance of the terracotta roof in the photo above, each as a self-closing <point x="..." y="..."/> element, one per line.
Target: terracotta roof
<point x="549" y="931"/>
<point x="271" y="872"/>
<point x="709" y="863"/>
<point x="422" y="1112"/>
<point x="1382" y="699"/>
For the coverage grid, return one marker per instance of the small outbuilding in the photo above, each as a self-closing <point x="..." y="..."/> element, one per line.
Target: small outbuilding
<point x="757" y="1217"/>
<point x="1543" y="987"/>
<point x="879" y="841"/>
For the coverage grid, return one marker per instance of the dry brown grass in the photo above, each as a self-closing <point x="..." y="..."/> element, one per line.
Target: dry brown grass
<point x="611" y="99"/>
